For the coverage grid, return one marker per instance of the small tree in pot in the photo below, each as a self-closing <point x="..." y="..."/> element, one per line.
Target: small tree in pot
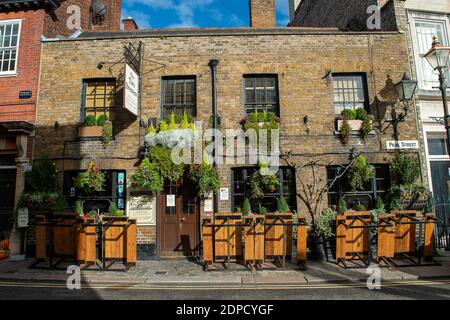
<point x="312" y="192"/>
<point x="326" y="227"/>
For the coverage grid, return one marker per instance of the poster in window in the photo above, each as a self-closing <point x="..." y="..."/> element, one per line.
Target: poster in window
<point x="131" y="90"/>
<point x="142" y="208"/>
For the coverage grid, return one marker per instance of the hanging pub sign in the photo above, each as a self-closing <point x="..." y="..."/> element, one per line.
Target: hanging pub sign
<point x="131" y="90"/>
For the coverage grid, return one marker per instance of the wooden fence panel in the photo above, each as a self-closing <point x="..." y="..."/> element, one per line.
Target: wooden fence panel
<point x="41" y="238"/>
<point x="64" y="235"/>
<point x="131" y="247"/>
<point x="114" y="238"/>
<point x="207" y="239"/>
<point x="428" y="245"/>
<point x="341" y="237"/>
<point x="254" y="239"/>
<point x="357" y="238"/>
<point x="405" y="234"/>
<point x="302" y="238"/>
<point x="221" y="235"/>
<point x="386" y="237"/>
<point x="275" y="246"/>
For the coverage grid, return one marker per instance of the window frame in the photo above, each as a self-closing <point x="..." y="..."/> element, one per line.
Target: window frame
<point x="277" y="193"/>
<point x="276" y="104"/>
<point x="183" y="78"/>
<point x="85" y="83"/>
<point x="12" y="22"/>
<point x="374" y="192"/>
<point x="365" y="89"/>
<point x="418" y="56"/>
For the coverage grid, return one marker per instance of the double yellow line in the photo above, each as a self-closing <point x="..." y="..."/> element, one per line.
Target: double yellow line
<point x="244" y="287"/>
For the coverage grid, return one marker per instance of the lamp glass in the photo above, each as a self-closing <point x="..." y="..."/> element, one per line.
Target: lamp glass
<point x="438" y="57"/>
<point x="406" y="89"/>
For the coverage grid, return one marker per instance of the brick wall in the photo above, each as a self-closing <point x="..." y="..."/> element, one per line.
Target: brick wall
<point x="56" y="19"/>
<point x="299" y="58"/>
<point x="113" y="17"/>
<point x="11" y="107"/>
<point x="262" y="13"/>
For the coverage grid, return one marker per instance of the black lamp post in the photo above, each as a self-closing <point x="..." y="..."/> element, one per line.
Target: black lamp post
<point x="439" y="59"/>
<point x="406" y="89"/>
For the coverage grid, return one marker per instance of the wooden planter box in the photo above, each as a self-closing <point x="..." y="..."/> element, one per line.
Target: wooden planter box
<point x="302" y="239"/>
<point x="428" y="244"/>
<point x="254" y="239"/>
<point x="86" y="242"/>
<point x="90" y="132"/>
<point x="352" y="243"/>
<point x="64" y="235"/>
<point x="386" y="237"/>
<point x="405" y="234"/>
<point x="278" y="238"/>
<point x="355" y="125"/>
<point x="228" y="240"/>
<point x="207" y="243"/>
<point x="119" y="240"/>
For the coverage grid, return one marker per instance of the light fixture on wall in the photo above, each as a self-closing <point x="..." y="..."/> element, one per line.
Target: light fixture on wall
<point x="405" y="89"/>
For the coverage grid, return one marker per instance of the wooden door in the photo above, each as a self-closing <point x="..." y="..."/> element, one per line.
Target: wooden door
<point x="178" y="231"/>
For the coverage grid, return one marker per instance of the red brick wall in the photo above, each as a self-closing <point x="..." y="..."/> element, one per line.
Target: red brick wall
<point x="56" y="20"/>
<point x="113" y="16"/>
<point x="11" y="107"/>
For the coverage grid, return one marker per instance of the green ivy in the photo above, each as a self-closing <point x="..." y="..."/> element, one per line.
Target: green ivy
<point x="148" y="177"/>
<point x="92" y="180"/>
<point x="326" y="223"/>
<point x="168" y="170"/>
<point x="360" y="173"/>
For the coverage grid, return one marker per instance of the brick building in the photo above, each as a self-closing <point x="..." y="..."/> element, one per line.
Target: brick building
<point x="303" y="72"/>
<point x="22" y="24"/>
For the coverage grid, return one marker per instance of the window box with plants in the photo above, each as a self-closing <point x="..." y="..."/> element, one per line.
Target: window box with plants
<point x="354" y="122"/>
<point x="258" y="121"/>
<point x="99" y="128"/>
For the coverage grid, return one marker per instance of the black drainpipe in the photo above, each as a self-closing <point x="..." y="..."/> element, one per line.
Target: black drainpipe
<point x="213" y="65"/>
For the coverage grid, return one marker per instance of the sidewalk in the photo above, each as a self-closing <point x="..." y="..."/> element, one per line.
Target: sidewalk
<point x="183" y="272"/>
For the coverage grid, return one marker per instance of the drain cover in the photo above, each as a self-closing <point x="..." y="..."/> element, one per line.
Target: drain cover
<point x="160" y="272"/>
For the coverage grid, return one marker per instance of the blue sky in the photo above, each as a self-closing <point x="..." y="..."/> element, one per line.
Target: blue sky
<point x="195" y="13"/>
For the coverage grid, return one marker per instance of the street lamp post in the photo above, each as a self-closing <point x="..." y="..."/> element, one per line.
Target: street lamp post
<point x="405" y="91"/>
<point x="439" y="59"/>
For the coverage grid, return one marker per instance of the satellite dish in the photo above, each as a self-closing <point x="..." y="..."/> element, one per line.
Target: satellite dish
<point x="98" y="8"/>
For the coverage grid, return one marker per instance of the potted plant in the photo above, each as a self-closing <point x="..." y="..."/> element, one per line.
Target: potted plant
<point x="326" y="226"/>
<point x="92" y="180"/>
<point x="89" y="128"/>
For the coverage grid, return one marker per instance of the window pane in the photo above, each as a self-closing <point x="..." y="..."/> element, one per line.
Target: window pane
<point x="179" y="96"/>
<point x="261" y="94"/>
<point x="100" y="98"/>
<point x="437" y="144"/>
<point x="349" y="92"/>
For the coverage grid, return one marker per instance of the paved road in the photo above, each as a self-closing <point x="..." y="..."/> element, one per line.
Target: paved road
<point x="404" y="290"/>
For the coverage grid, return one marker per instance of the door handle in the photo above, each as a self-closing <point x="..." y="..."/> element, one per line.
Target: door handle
<point x="183" y="219"/>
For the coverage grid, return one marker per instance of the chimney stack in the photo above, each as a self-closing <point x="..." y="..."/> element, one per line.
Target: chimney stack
<point x="129" y="25"/>
<point x="262" y="13"/>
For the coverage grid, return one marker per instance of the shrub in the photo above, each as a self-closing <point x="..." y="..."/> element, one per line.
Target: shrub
<point x="326" y="223"/>
<point x="360" y="207"/>
<point x="361" y="114"/>
<point x="262" y="210"/>
<point x="148" y="177"/>
<point x="349" y="114"/>
<point x="342" y="206"/>
<point x="259" y="183"/>
<point x="345" y="132"/>
<point x="112" y="211"/>
<point x="78" y="207"/>
<point x="41" y="177"/>
<point x="90" y="121"/>
<point x="366" y="128"/>
<point x="102" y="120"/>
<point x="282" y="206"/>
<point x="379" y="204"/>
<point x="406" y="168"/>
<point x="162" y="157"/>
<point x="360" y="173"/>
<point x="246" y="207"/>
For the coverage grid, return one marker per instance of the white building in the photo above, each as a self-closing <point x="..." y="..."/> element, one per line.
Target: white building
<point x="427" y="19"/>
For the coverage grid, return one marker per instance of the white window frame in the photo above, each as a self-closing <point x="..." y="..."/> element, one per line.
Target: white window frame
<point x="426" y="17"/>
<point x="5" y="22"/>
